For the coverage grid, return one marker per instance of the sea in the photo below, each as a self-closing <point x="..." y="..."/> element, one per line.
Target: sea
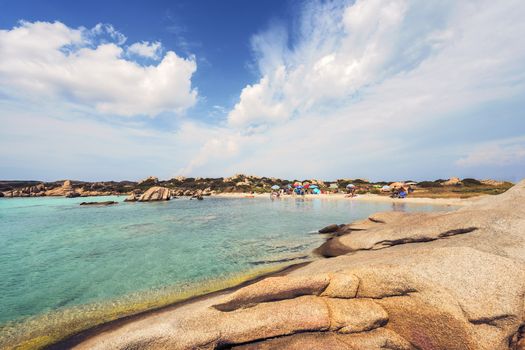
<point x="65" y="267"/>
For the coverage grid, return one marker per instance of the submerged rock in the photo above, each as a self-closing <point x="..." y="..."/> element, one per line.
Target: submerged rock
<point x="99" y="203"/>
<point x="329" y="229"/>
<point x="156" y="193"/>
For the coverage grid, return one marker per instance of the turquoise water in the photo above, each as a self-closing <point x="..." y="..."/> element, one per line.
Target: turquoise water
<point x="55" y="254"/>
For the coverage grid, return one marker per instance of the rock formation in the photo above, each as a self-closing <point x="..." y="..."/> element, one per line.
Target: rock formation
<point x="442" y="280"/>
<point x="99" y="203"/>
<point x="453" y="181"/>
<point x="29" y="191"/>
<point x="149" y="179"/>
<point x="492" y="182"/>
<point x="329" y="229"/>
<point x="65" y="190"/>
<point x="156" y="193"/>
<point x="133" y="196"/>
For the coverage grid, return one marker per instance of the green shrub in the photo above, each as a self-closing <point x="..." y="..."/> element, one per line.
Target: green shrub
<point x="471" y="182"/>
<point x="429" y="184"/>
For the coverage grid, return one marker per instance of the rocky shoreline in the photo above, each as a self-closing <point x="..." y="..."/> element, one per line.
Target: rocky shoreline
<point x="238" y="184"/>
<point x="453" y="280"/>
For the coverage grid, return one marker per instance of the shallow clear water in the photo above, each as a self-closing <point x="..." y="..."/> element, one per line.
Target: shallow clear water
<point x="55" y="254"/>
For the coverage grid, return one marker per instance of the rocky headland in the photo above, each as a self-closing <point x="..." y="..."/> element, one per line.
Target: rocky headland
<point x="65" y="188"/>
<point x="442" y="280"/>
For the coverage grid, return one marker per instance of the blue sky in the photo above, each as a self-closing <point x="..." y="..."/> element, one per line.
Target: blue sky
<point x="391" y="89"/>
<point x="217" y="32"/>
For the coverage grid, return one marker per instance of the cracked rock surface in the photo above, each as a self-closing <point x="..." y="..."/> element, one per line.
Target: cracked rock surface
<point x="397" y="281"/>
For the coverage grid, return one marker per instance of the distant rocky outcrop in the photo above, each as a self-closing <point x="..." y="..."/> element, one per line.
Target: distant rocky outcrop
<point x="156" y="193"/>
<point x="440" y="280"/>
<point x="149" y="180"/>
<point x="453" y="181"/>
<point x="65" y="190"/>
<point x="29" y="191"/>
<point x="491" y="182"/>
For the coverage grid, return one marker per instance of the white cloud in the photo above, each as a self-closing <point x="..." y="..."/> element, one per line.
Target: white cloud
<point x="101" y="29"/>
<point x="356" y="84"/>
<point x="345" y="52"/>
<point x="146" y="49"/>
<point x="375" y="88"/>
<point x="42" y="61"/>
<point x="343" y="49"/>
<point x="495" y="153"/>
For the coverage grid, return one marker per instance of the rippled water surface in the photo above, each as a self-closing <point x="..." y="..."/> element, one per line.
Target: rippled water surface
<point x="55" y="254"/>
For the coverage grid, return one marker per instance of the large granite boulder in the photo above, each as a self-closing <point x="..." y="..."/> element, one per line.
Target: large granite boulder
<point x="447" y="280"/>
<point x="156" y="193"/>
<point x="65" y="190"/>
<point x="132" y="197"/>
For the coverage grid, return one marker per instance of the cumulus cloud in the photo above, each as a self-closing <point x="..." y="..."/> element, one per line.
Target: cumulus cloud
<point x="345" y="52"/>
<point x="87" y="67"/>
<point x="146" y="49"/>
<point x="341" y="49"/>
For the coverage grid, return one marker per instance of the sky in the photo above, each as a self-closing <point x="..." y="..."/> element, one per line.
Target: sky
<point x="375" y="89"/>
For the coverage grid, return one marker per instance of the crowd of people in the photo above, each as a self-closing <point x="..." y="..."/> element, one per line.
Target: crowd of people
<point x="396" y="190"/>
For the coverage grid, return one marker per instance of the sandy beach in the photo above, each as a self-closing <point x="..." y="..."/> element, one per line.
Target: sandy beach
<point x="364" y="197"/>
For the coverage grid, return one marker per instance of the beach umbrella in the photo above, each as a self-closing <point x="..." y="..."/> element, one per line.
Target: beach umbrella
<point x="385" y="188"/>
<point x="297" y="184"/>
<point x="395" y="185"/>
<point x="313" y="186"/>
<point x="275" y="187"/>
<point x="307" y="185"/>
<point x="350" y="186"/>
